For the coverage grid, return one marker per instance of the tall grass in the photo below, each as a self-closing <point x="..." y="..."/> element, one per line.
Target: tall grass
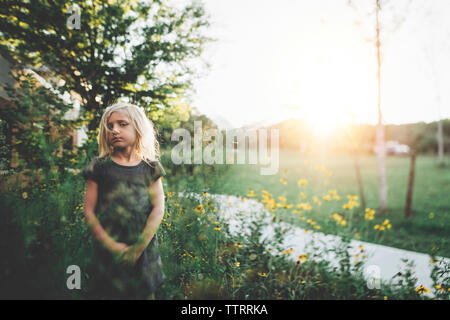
<point x="43" y="232"/>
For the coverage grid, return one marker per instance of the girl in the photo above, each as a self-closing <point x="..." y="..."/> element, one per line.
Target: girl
<point x="124" y="206"/>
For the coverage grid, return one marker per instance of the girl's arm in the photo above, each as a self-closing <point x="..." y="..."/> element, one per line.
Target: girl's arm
<point x="155" y="217"/>
<point x="90" y="200"/>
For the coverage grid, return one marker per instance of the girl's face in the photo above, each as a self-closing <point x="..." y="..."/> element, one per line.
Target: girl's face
<point x="121" y="132"/>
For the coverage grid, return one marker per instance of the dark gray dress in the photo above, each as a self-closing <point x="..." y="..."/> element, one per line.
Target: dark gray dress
<point x="123" y="206"/>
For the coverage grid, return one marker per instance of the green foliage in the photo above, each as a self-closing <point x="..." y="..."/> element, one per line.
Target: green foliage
<point x="136" y="50"/>
<point x="34" y="126"/>
<point x="205" y="260"/>
<point x="4" y="150"/>
<point x="42" y="233"/>
<point x="189" y="177"/>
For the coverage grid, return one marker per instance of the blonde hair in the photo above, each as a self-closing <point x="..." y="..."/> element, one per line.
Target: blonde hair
<point x="146" y="146"/>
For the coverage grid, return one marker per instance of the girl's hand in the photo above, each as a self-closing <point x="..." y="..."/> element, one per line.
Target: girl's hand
<point x="119" y="248"/>
<point x="131" y="255"/>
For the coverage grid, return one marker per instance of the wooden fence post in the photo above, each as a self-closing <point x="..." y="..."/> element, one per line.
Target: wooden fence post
<point x="410" y="185"/>
<point x="359" y="179"/>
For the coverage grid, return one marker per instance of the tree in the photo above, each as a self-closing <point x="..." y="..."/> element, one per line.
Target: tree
<point x="431" y="28"/>
<point x="35" y="126"/>
<point x="395" y="22"/>
<point x="143" y="51"/>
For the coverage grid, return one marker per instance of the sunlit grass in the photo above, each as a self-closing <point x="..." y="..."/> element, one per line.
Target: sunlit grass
<point x="307" y="181"/>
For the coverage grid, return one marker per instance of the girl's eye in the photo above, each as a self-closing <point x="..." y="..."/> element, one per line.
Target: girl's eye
<point x="123" y="124"/>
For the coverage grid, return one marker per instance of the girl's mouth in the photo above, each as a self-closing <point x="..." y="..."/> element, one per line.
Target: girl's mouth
<point x="116" y="140"/>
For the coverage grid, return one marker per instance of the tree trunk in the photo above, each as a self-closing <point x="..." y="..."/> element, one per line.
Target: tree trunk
<point x="440" y="141"/>
<point x="410" y="185"/>
<point x="381" y="154"/>
<point x="359" y="179"/>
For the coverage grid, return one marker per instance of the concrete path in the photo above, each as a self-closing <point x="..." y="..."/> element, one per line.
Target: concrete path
<point x="382" y="262"/>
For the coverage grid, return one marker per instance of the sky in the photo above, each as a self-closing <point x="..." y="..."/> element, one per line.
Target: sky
<point x="316" y="60"/>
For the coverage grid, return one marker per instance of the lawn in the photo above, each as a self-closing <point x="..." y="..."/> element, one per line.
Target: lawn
<point x="426" y="231"/>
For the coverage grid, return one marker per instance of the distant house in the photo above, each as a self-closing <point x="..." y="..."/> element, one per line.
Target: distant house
<point x="395" y="147"/>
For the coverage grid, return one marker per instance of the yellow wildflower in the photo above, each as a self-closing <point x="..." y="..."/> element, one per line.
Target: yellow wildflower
<point x="347" y="206"/>
<point x="237" y="264"/>
<point x="369" y="214"/>
<point x="283" y="181"/>
<point x="263" y="274"/>
<point x="302" y="258"/>
<point x="302" y="182"/>
<point x="422" y="289"/>
<point x="288" y="251"/>
<point x="199" y="208"/>
<point x="439" y="287"/>
<point x="24" y="195"/>
<point x="217" y="229"/>
<point x="434" y="261"/>
<point x="305" y="206"/>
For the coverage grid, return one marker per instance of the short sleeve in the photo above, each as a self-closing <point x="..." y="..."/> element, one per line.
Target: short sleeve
<point x="158" y="171"/>
<point x="91" y="171"/>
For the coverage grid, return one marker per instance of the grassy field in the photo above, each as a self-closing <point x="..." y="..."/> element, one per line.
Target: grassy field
<point x="428" y="230"/>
